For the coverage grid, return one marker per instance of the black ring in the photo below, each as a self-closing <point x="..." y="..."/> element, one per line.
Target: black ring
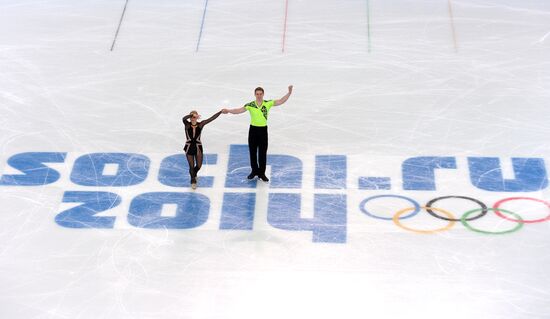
<point x="431" y="212"/>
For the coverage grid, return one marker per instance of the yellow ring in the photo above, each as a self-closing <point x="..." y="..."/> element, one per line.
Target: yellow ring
<point x="397" y="221"/>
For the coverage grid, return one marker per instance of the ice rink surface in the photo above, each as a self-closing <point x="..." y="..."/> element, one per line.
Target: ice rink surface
<point x="395" y="105"/>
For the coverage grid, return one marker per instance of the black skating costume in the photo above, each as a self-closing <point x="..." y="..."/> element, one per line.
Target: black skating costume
<point x="193" y="145"/>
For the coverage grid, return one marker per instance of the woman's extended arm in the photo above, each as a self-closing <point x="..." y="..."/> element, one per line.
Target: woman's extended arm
<point x="213" y="117"/>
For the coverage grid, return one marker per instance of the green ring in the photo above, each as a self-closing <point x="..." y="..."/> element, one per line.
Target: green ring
<point x="465" y="223"/>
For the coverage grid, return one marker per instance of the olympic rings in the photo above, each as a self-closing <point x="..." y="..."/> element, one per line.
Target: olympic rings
<point x="497" y="211"/>
<point x="429" y="207"/>
<point x="464" y="217"/>
<point x="364" y="210"/>
<point x="450" y="216"/>
<point x="516" y="228"/>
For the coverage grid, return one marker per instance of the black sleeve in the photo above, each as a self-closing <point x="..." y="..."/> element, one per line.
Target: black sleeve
<point x="213" y="117"/>
<point x="184" y="119"/>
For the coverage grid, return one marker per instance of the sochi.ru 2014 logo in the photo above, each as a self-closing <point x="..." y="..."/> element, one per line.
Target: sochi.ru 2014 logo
<point x="92" y="174"/>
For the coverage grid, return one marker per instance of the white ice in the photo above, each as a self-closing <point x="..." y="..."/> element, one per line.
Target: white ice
<point x="375" y="81"/>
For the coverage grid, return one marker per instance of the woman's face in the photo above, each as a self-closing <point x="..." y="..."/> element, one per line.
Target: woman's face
<point x="195" y="116"/>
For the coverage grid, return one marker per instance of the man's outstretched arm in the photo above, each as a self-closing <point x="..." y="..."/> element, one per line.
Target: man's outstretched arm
<point x="284" y="98"/>
<point x="238" y="110"/>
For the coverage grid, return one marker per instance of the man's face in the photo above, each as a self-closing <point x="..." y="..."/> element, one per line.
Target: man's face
<point x="259" y="95"/>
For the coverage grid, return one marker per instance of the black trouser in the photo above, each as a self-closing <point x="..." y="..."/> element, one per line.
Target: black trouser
<point x="257" y="146"/>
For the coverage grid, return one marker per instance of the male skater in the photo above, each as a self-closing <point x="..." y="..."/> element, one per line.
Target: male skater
<point x="257" y="134"/>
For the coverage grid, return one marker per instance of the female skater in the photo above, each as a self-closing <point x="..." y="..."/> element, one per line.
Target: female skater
<point x="193" y="145"/>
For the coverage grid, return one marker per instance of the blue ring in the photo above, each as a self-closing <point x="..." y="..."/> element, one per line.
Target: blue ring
<point x="416" y="207"/>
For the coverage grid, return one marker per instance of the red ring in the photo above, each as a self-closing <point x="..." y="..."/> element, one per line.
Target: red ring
<point x="497" y="204"/>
